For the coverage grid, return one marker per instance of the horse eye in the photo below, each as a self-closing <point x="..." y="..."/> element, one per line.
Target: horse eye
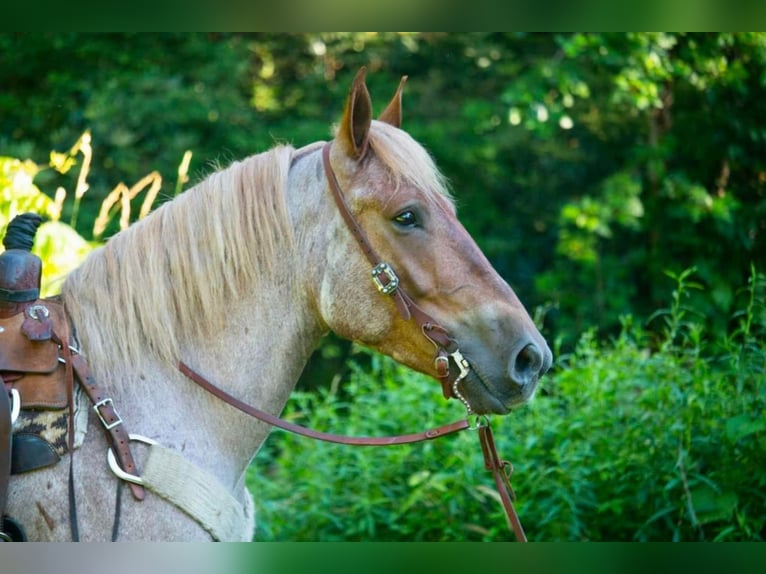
<point x="406" y="219"/>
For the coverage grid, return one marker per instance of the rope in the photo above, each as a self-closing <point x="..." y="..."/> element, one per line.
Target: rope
<point x="21" y="231"/>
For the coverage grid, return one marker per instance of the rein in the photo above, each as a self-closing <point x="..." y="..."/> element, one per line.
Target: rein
<point x="501" y="469"/>
<point x="263" y="416"/>
<point x="447" y="349"/>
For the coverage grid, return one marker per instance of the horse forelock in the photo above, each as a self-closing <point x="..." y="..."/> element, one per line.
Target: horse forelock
<point x="408" y="161"/>
<point x="171" y="275"/>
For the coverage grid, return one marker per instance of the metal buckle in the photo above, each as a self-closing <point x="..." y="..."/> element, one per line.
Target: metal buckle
<point x="479" y="421"/>
<point x="38" y="312"/>
<point x="384" y="270"/>
<point x="103" y="403"/>
<point x="441" y="364"/>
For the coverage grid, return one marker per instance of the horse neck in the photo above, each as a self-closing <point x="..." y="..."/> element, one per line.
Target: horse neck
<point x="270" y="333"/>
<point x="257" y="355"/>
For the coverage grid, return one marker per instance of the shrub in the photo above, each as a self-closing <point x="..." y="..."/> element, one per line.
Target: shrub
<point x="659" y="434"/>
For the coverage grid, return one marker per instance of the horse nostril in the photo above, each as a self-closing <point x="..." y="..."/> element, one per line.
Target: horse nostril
<point x="528" y="364"/>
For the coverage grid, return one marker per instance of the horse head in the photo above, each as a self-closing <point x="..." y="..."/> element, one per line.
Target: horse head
<point x="400" y="204"/>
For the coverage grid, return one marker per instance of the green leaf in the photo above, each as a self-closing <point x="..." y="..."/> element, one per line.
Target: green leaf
<point x="710" y="505"/>
<point x="744" y="425"/>
<point x="62" y="249"/>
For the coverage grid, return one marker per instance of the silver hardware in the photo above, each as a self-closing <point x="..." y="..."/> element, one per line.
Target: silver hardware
<point x="103" y="403"/>
<point x="442" y="359"/>
<point x="15" y="405"/>
<point x="478" y="422"/>
<point x="384" y="269"/>
<point x="38" y="312"/>
<point x="74" y="350"/>
<point x="121" y="474"/>
<point x="464" y="366"/>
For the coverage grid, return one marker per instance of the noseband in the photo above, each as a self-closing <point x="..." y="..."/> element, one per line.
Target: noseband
<point x="387" y="282"/>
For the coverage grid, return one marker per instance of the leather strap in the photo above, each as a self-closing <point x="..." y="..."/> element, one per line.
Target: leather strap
<point x="408" y="309"/>
<point x="5" y="448"/>
<point x="69" y="379"/>
<point x="501" y="472"/>
<point x="110" y="420"/>
<point x="263" y="416"/>
<point x="104" y="408"/>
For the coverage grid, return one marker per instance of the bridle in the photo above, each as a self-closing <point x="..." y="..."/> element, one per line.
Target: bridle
<point x="387" y="282"/>
<point x="446" y="349"/>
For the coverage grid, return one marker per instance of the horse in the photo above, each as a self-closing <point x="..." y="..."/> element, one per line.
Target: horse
<point x="240" y="277"/>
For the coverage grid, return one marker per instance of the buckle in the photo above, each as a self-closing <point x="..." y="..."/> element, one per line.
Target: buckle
<point x="384" y="270"/>
<point x="104" y="403"/>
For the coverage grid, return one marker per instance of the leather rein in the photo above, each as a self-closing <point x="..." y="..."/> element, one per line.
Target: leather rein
<point x="447" y="351"/>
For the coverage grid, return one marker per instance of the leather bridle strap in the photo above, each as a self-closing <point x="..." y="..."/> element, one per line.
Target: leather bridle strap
<point x="111" y="422"/>
<point x="263" y="416"/>
<point x="385" y="278"/>
<point x="5" y="453"/>
<point x="501" y="472"/>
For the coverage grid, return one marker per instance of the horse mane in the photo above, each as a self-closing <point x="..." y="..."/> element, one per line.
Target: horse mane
<point x="169" y="274"/>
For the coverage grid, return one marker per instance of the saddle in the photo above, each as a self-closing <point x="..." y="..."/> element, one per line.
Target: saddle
<point x="29" y="358"/>
<point x="32" y="375"/>
<point x="38" y="368"/>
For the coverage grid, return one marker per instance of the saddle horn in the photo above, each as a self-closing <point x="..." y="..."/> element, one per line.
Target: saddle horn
<point x="20" y="270"/>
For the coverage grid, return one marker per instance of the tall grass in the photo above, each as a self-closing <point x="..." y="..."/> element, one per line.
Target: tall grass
<point x="63" y="245"/>
<point x="659" y="434"/>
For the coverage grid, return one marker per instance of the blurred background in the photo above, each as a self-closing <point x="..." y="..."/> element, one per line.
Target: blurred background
<point x="617" y="181"/>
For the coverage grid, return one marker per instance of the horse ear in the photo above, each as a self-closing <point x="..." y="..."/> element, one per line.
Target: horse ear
<point x="354" y="132"/>
<point x="393" y="112"/>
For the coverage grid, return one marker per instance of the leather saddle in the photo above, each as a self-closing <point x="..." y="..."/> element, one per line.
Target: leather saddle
<point x="29" y="358"/>
<point x="30" y="366"/>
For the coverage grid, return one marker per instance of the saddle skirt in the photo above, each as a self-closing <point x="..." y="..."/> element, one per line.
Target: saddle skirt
<point x="30" y="365"/>
<point x="29" y="358"/>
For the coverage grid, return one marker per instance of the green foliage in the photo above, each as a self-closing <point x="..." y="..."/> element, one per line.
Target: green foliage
<point x="623" y="443"/>
<point x="59" y="246"/>
<point x="18" y="193"/>
<point x="309" y="490"/>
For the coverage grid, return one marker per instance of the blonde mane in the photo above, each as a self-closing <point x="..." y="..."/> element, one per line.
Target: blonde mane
<point x="172" y="272"/>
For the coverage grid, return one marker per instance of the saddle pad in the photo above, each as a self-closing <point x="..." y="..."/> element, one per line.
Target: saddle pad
<point x="52" y="425"/>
